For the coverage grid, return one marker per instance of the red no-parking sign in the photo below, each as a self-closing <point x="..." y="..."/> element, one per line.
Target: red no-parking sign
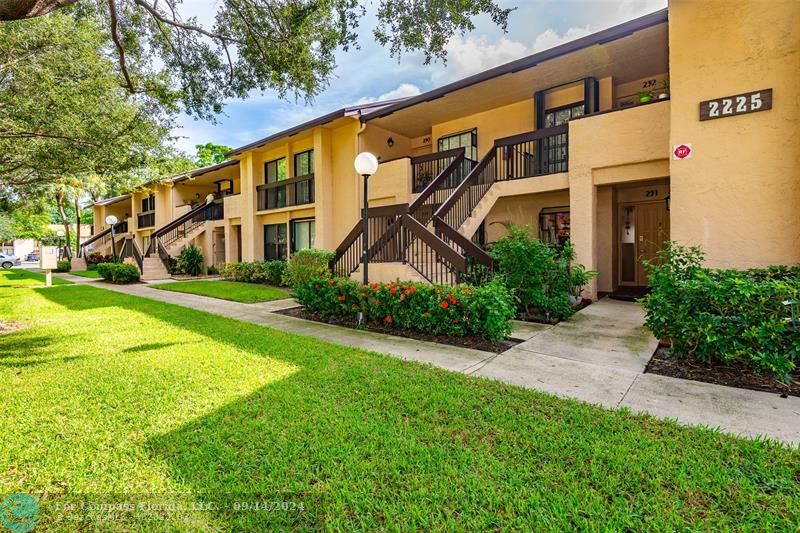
<point x="681" y="151"/>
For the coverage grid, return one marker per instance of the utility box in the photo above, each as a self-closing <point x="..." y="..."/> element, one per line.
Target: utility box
<point x="48" y="257"/>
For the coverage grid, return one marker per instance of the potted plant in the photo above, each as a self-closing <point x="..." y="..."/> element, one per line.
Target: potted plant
<point x="645" y="96"/>
<point x="663" y="91"/>
<point x="579" y="277"/>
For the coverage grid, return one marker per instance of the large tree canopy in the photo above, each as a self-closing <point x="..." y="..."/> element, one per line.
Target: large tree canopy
<point x="63" y="116"/>
<point x="284" y="45"/>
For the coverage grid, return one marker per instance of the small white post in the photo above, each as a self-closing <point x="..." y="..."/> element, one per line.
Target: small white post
<point x="48" y="277"/>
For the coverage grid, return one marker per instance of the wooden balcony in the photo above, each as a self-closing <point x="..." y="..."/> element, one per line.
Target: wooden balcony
<point x="146" y="219"/>
<point x="286" y="193"/>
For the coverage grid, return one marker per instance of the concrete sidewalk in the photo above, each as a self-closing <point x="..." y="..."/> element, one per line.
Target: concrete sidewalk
<point x="598" y="356"/>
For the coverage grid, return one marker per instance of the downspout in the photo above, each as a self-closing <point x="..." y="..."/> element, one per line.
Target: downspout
<point x="362" y="127"/>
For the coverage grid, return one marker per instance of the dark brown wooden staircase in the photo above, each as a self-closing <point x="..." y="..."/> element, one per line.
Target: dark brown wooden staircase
<point x="429" y="234"/>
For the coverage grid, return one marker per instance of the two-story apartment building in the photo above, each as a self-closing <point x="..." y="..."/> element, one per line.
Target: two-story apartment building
<point x="158" y="219"/>
<point x="678" y="125"/>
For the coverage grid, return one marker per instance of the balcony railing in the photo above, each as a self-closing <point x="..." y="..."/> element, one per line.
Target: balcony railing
<point x="215" y="210"/>
<point x="286" y="193"/>
<point x="146" y="219"/>
<point x="426" y="167"/>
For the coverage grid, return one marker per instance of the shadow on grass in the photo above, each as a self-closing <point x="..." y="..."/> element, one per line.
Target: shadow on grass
<point x="363" y="442"/>
<point x="21" y="348"/>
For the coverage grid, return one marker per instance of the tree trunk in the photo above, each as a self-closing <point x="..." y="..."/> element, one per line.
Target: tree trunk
<point x="63" y="214"/>
<point x="77" y="224"/>
<point x="26" y="9"/>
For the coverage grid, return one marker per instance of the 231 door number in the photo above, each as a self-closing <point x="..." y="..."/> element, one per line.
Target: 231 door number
<point x="739" y="104"/>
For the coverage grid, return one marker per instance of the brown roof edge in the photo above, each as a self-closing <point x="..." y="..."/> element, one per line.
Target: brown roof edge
<point x="330" y="117"/>
<point x="610" y="34"/>
<point x="319" y="121"/>
<point x="177" y="178"/>
<point x="112" y="200"/>
<point x="204" y="170"/>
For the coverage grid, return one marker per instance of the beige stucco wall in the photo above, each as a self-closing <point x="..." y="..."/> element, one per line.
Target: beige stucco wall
<point x="739" y="195"/>
<point x="495" y="124"/>
<point x="392" y="183"/>
<point x="337" y="193"/>
<point x="622" y="146"/>
<point x="521" y="210"/>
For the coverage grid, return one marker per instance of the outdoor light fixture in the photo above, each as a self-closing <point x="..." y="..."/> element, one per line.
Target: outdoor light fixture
<point x="666" y="201"/>
<point x="60" y="234"/>
<point x="111" y="220"/>
<point x="366" y="164"/>
<point x="390" y="142"/>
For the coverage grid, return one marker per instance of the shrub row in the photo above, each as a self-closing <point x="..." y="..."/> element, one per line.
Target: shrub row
<point x="269" y="272"/>
<point x="724" y="316"/>
<point x="303" y="266"/>
<point x="120" y="273"/>
<point x="63" y="266"/>
<point x="460" y="310"/>
<point x="97" y="257"/>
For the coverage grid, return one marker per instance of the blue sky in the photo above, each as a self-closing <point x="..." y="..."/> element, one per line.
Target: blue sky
<point x="369" y="73"/>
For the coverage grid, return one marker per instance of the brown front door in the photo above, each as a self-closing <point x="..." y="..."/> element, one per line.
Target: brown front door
<point x="652" y="229"/>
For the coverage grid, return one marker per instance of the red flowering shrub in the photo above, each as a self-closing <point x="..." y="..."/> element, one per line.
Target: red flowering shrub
<point x="459" y="310"/>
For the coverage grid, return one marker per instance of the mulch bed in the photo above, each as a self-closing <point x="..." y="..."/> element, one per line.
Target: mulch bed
<point x="540" y="318"/>
<point x="734" y="375"/>
<point x="476" y="343"/>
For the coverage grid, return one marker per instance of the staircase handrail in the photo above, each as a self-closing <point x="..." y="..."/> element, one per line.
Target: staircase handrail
<point x="437" y="244"/>
<point x="438" y="180"/>
<point x="469" y="247"/>
<point x="99" y="235"/>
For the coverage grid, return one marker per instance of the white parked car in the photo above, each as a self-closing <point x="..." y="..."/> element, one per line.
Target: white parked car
<point x="8" y="261"/>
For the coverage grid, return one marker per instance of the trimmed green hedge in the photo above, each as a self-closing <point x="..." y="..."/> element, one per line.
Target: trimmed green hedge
<point x="306" y="265"/>
<point x="267" y="272"/>
<point x="119" y="273"/>
<point x="723" y="316"/>
<point x="460" y="310"/>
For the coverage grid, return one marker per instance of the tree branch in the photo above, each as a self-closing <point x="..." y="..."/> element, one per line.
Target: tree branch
<point x="112" y="6"/>
<point x="26" y="9"/>
<point x="184" y="25"/>
<point x="35" y="134"/>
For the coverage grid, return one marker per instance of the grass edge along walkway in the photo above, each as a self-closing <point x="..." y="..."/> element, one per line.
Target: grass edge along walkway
<point x="234" y="291"/>
<point x="180" y="400"/>
<point x="19" y="277"/>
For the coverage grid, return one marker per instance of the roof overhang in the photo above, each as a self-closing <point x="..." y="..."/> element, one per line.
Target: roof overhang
<point x="113" y="200"/>
<point x="205" y="170"/>
<point x="636" y="48"/>
<point x="355" y="111"/>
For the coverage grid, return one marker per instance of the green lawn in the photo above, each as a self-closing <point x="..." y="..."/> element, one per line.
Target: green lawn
<point x="93" y="274"/>
<point x="227" y="290"/>
<point x="18" y="277"/>
<point x="105" y="393"/>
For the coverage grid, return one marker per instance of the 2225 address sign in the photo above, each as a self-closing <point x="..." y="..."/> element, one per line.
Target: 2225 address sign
<point x="739" y="104"/>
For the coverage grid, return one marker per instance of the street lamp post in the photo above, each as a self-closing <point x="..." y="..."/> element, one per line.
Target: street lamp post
<point x="60" y="234"/>
<point x="111" y="220"/>
<point x="366" y="164"/>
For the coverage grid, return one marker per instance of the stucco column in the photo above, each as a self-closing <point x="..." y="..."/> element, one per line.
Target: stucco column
<point x="323" y="190"/>
<point x="252" y="246"/>
<point x="583" y="227"/>
<point x="230" y="244"/>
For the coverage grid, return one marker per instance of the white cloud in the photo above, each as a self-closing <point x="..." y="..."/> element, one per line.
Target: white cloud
<point x="550" y="38"/>
<point x="404" y="90"/>
<point x="473" y="54"/>
<point x="470" y="55"/>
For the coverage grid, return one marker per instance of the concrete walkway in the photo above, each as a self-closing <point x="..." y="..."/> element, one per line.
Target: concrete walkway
<point x="598" y="356"/>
